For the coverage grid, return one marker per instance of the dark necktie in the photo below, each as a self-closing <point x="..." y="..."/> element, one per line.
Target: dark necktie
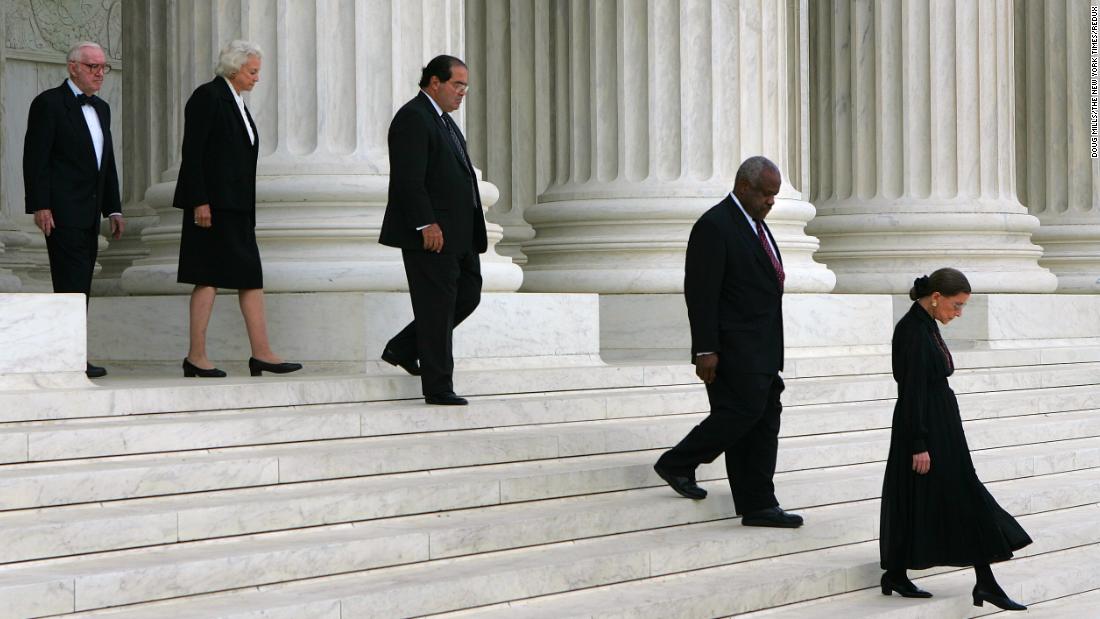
<point x="762" y="236"/>
<point x="452" y="129"/>
<point x="83" y="99"/>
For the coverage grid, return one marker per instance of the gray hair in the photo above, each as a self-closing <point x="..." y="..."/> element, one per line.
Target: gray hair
<point x="234" y="55"/>
<point x="74" y="54"/>
<point x="753" y="167"/>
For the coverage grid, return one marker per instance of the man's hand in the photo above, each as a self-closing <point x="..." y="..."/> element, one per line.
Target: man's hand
<point x="706" y="367"/>
<point x="43" y="218"/>
<point x="118" y="224"/>
<point x="433" y="238"/>
<point x="922" y="463"/>
<point x="203" y="217"/>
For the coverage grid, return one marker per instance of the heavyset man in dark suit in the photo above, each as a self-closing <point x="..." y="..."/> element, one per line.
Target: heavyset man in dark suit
<point x="69" y="172"/>
<point x="733" y="284"/>
<point x="434" y="215"/>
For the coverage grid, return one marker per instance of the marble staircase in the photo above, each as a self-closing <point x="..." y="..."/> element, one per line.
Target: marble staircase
<point x="343" y="496"/>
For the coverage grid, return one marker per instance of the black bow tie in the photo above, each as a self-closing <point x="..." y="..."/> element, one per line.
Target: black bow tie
<point x="83" y="99"/>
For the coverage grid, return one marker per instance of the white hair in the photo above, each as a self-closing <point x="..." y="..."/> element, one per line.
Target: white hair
<point x="234" y="55"/>
<point x="74" y="54"/>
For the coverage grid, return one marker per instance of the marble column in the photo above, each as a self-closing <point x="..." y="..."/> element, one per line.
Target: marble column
<point x="913" y="147"/>
<point x="330" y="83"/>
<point x="651" y="107"/>
<point x="1057" y="178"/>
<point x="143" y="149"/>
<point x="508" y="52"/>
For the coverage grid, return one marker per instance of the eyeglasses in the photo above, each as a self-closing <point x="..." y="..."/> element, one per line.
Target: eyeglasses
<point x="459" y="87"/>
<point x="95" y="68"/>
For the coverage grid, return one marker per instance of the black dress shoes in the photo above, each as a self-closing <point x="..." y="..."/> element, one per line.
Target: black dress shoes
<point x="684" y="485"/>
<point x="409" y="365"/>
<point x="257" y="367"/>
<point x="446" y="399"/>
<point x="190" y="370"/>
<point x="996" y="597"/>
<point x="902" y="586"/>
<point x="94" y="371"/>
<point x="771" y="517"/>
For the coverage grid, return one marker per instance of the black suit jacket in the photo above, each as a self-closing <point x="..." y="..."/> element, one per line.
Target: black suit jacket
<point x="59" y="163"/>
<point x="219" y="161"/>
<point x="734" y="300"/>
<point x="430" y="182"/>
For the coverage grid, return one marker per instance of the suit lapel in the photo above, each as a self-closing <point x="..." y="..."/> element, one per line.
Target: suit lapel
<point x="750" y="238"/>
<point x="75" y="115"/>
<point x="235" y="112"/>
<point x="444" y="131"/>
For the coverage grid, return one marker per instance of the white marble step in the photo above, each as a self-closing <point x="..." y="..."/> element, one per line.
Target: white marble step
<point x="54" y="483"/>
<point x="193" y="568"/>
<point x="741" y="589"/>
<point x="45" y="533"/>
<point x="745" y="568"/>
<point x="137" y="396"/>
<point x="1070" y="606"/>
<point x="87" y="438"/>
<point x="1060" y="584"/>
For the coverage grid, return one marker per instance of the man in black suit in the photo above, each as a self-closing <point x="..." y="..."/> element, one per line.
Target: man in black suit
<point x="69" y="172"/>
<point x="733" y="285"/>
<point x="434" y="215"/>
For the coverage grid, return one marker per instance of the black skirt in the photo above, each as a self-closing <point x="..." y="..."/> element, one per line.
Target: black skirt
<point x="224" y="255"/>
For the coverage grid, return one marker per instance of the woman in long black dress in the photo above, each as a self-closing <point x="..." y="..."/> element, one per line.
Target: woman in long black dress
<point x="935" y="510"/>
<point x="216" y="189"/>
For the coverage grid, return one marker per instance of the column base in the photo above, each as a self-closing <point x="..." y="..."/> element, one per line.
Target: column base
<point x="655" y="326"/>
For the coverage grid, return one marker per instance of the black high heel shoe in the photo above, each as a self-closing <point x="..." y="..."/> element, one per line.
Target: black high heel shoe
<point x="190" y="370"/>
<point x="997" y="598"/>
<point x="904" y="588"/>
<point x="257" y="367"/>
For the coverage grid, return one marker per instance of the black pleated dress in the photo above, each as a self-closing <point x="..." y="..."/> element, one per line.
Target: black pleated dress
<point x="945" y="517"/>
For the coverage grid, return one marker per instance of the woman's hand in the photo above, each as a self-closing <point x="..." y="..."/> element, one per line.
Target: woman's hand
<point x="922" y="462"/>
<point x="202" y="216"/>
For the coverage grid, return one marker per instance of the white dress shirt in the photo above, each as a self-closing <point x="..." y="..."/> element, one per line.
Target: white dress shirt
<point x="240" y="106"/>
<point x="94" y="128"/>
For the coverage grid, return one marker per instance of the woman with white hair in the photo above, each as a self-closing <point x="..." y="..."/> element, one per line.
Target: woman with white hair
<point x="216" y="189"/>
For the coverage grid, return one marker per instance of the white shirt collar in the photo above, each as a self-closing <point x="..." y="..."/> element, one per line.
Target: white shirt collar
<point x="752" y="222"/>
<point x="233" y="91"/>
<point x="76" y="91"/>
<point x="438" y="110"/>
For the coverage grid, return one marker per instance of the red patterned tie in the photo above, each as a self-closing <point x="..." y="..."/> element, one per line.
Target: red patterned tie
<point x="760" y="234"/>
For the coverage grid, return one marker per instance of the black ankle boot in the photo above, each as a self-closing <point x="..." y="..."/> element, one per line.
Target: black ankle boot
<point x="898" y="582"/>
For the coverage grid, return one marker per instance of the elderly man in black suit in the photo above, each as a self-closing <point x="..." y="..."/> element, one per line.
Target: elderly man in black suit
<point x="733" y="285"/>
<point x="434" y="215"/>
<point x="69" y="172"/>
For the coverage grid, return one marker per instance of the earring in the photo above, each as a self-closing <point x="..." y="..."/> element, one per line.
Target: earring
<point x="933" y="304"/>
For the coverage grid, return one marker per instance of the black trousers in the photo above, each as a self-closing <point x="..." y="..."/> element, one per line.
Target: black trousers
<point x="445" y="289"/>
<point x="72" y="254"/>
<point x="744" y="424"/>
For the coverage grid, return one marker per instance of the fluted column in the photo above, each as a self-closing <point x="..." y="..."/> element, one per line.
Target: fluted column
<point x="652" y="106"/>
<point x="142" y="152"/>
<point x="334" y="72"/>
<point x="1057" y="178"/>
<point x="508" y="45"/>
<point x="913" y="147"/>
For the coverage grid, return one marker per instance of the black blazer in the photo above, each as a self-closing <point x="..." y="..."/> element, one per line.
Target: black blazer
<point x="430" y="182"/>
<point x="735" y="304"/>
<point x="59" y="166"/>
<point x="219" y="162"/>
